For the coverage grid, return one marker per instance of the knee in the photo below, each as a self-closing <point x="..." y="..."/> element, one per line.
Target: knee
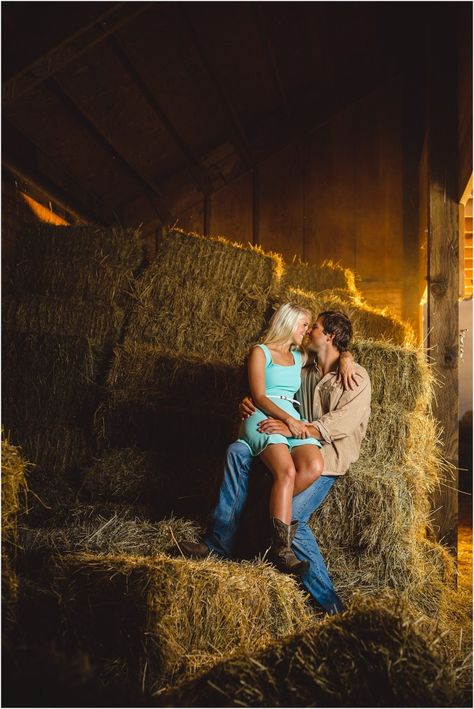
<point x="315" y="469"/>
<point x="287" y="475"/>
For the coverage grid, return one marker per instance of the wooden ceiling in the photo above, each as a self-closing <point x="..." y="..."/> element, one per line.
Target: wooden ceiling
<point x="106" y="102"/>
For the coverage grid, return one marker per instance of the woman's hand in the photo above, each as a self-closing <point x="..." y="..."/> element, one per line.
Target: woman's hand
<point x="246" y="408"/>
<point x="297" y="428"/>
<point x="347" y="371"/>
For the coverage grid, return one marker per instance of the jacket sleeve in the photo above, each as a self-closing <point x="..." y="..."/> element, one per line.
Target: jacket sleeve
<point x="348" y="413"/>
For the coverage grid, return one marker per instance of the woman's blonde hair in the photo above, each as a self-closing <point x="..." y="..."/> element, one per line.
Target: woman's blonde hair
<point x="283" y="323"/>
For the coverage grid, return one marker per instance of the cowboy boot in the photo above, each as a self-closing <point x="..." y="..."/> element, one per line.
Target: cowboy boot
<point x="280" y="553"/>
<point x="191" y="550"/>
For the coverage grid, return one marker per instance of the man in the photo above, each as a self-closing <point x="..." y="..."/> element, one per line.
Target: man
<point x="338" y="417"/>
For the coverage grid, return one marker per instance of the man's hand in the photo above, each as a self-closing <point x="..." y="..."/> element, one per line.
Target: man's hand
<point x="246" y="408"/>
<point x="274" y="426"/>
<point x="347" y="373"/>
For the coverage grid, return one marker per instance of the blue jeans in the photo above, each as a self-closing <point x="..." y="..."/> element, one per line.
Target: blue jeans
<point x="232" y="497"/>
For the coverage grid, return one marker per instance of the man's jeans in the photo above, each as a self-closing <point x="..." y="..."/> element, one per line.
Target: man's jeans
<point x="232" y="497"/>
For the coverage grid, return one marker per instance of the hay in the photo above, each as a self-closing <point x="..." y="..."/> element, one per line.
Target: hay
<point x="149" y="373"/>
<point x="119" y="532"/>
<point x="397" y="374"/>
<point x="90" y="263"/>
<point x="204" y="297"/>
<point x="170" y="480"/>
<point x="216" y="260"/>
<point x="124" y="420"/>
<point x="14" y="487"/>
<point x="371" y="509"/>
<point x="177" y="615"/>
<point x="55" y="449"/>
<point x="50" y="378"/>
<point x="367" y="322"/>
<point x="66" y="318"/>
<point x="122" y="474"/>
<point x="310" y="277"/>
<point x="375" y="654"/>
<point x="209" y="321"/>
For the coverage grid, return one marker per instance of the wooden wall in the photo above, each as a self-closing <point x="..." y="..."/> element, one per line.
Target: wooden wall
<point x="336" y="195"/>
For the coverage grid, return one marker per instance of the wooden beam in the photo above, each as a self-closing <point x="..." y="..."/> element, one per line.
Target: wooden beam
<point x="238" y="132"/>
<point x="83" y="40"/>
<point x="443" y="244"/>
<point x="151" y="188"/>
<point x="199" y="174"/>
<point x="22" y="159"/>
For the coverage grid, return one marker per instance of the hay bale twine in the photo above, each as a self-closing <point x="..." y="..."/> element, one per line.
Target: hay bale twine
<point x="374" y="654"/>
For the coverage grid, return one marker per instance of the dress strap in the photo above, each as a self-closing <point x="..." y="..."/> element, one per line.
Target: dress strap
<point x="268" y="356"/>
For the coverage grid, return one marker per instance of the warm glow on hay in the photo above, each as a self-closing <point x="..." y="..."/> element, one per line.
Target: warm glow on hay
<point x="43" y="214"/>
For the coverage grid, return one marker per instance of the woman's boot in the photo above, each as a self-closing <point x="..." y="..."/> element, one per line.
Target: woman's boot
<point x="280" y="553"/>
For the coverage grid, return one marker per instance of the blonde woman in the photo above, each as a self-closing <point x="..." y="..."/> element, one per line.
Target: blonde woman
<point x="274" y="373"/>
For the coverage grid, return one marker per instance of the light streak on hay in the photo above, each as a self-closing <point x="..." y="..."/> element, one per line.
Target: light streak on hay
<point x="367" y="321"/>
<point x="321" y="277"/>
<point x="379" y="652"/>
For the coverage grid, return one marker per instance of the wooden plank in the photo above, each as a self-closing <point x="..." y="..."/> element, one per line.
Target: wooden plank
<point x="443" y="261"/>
<point x="281" y="203"/>
<point x="231" y="210"/>
<point x="330" y="192"/>
<point x="378" y="185"/>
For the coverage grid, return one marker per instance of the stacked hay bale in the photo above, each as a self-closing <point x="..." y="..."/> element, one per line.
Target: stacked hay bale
<point x="175" y="381"/>
<point x="14" y="487"/>
<point x="175" y="615"/>
<point x="61" y="318"/>
<point x="377" y="653"/>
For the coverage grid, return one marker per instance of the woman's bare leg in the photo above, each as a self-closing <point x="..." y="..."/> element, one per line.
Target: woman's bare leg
<point x="308" y="462"/>
<point x="278" y="460"/>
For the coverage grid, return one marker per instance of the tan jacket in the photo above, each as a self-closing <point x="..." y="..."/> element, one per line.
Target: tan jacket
<point x="341" y="416"/>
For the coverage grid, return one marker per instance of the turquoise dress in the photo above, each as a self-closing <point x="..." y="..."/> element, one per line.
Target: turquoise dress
<point x="280" y="380"/>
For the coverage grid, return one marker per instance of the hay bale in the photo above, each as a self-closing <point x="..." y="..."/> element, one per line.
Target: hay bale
<point x="176" y="615"/>
<point x="367" y="322"/>
<point x="374" y="654"/>
<point x="55" y="449"/>
<point x="118" y="532"/>
<point x="50" y="378"/>
<point x="14" y="487"/>
<point x="397" y="374"/>
<point x="169" y="480"/>
<point x="87" y="262"/>
<point x="372" y="508"/>
<point x="310" y="277"/>
<point x="150" y="425"/>
<point x="67" y="318"/>
<point x="148" y="373"/>
<point x="204" y="297"/>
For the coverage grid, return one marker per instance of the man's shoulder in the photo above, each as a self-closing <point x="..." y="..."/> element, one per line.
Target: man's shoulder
<point x="362" y="372"/>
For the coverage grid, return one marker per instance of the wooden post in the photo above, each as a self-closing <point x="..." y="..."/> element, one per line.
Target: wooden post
<point x="443" y="245"/>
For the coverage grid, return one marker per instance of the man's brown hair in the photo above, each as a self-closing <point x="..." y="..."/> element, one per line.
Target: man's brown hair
<point x="337" y="324"/>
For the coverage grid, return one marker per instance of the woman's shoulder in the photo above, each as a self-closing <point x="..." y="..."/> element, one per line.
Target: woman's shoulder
<point x="260" y="347"/>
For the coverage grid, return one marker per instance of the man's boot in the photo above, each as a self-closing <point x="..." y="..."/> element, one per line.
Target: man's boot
<point x="280" y="553"/>
<point x="192" y="550"/>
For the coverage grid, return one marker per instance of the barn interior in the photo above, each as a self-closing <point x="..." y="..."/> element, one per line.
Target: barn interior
<point x="171" y="173"/>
